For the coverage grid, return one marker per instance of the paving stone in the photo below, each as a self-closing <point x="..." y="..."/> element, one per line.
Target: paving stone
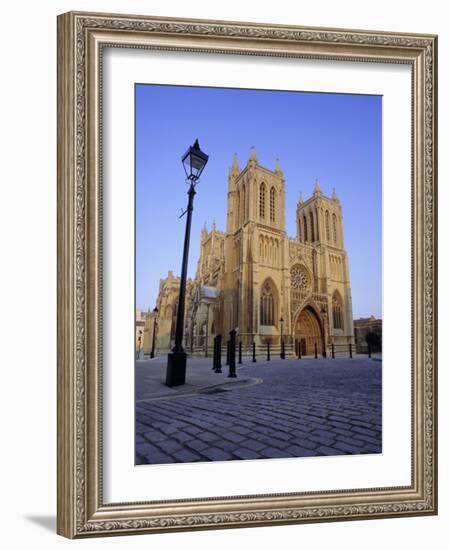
<point x="192" y="430"/>
<point x="362" y="424"/>
<point x="170" y="446"/>
<point x="296" y="450"/>
<point x="273" y="442"/>
<point x="324" y="433"/>
<point x="364" y="431"/>
<point x="226" y="445"/>
<point x="159" y="458"/>
<point x="340" y="425"/>
<point x="328" y="451"/>
<point x="236" y="438"/>
<point x="241" y="430"/>
<point x="182" y="437"/>
<point x="153" y="436"/>
<point x="272" y="452"/>
<point x="372" y="448"/>
<point x="215" y="453"/>
<point x="207" y="436"/>
<point x="197" y="444"/>
<point x="145" y="449"/>
<point x="346" y="433"/>
<point x="368" y="439"/>
<point x="244" y="453"/>
<point x="186" y="456"/>
<point x="279" y="435"/>
<point x="350" y="449"/>
<point x="253" y="444"/>
<point x="320" y="440"/>
<point x="352" y="441"/>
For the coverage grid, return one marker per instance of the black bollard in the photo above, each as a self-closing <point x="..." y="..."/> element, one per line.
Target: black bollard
<point x="333" y="351"/>
<point x="240" y="352"/>
<point x="316" y="351"/>
<point x="268" y="351"/>
<point x="232" y="373"/>
<point x="282" y="350"/>
<point x="227" y="353"/>
<point x="299" y="350"/>
<point x="369" y="351"/>
<point x="218" y="363"/>
<point x="254" y="352"/>
<point x="350" y="351"/>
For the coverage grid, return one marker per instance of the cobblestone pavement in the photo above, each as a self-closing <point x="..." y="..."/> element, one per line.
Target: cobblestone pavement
<point x="299" y="408"/>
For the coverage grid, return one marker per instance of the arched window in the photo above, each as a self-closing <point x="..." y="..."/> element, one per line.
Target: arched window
<point x="267" y="305"/>
<point x="312" y="228"/>
<point x="262" y="202"/>
<point x="328" y="231"/>
<point x="243" y="204"/>
<point x="337" y="313"/>
<point x="305" y="229"/>
<point x="334" y="223"/>
<point x="272" y="205"/>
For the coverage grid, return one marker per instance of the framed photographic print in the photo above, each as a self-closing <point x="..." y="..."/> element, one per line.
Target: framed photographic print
<point x="247" y="274"/>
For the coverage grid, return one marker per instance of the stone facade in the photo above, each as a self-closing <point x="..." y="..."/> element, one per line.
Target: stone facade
<point x="140" y="327"/>
<point x="255" y="279"/>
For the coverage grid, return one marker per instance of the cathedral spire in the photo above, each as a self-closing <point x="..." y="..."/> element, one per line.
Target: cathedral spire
<point x="277" y="168"/>
<point x="204" y="231"/>
<point x="317" y="189"/>
<point x="300" y="200"/>
<point x="235" y="168"/>
<point x="334" y="195"/>
<point x="252" y="156"/>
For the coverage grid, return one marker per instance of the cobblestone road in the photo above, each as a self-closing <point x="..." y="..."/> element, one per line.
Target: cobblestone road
<point x="296" y="409"/>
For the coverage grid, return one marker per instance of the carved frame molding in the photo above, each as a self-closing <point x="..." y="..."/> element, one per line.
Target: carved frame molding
<point x="81" y="38"/>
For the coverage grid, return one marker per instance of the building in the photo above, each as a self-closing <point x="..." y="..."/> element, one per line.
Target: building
<point x="140" y="327"/>
<point x="255" y="279"/>
<point x="368" y="330"/>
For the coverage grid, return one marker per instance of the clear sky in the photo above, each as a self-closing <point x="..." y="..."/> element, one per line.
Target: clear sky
<point x="336" y="138"/>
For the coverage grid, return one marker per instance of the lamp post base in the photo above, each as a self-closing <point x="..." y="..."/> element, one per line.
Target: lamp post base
<point x="176" y="368"/>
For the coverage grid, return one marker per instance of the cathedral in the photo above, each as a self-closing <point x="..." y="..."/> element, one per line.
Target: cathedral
<point x="255" y="279"/>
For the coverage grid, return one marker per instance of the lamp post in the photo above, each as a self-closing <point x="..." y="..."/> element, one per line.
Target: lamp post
<point x="281" y="320"/>
<point x="155" y="311"/>
<point x="194" y="161"/>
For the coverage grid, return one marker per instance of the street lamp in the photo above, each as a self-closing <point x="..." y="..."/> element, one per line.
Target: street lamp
<point x="194" y="161"/>
<point x="155" y="311"/>
<point x="281" y="320"/>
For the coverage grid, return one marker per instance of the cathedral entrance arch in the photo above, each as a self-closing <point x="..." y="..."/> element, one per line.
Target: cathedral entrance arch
<point x="308" y="332"/>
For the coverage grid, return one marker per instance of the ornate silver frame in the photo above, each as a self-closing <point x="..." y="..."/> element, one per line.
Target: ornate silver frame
<point x="81" y="37"/>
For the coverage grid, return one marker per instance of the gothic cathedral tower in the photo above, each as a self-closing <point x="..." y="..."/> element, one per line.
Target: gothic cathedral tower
<point x="254" y="298"/>
<point x="320" y="287"/>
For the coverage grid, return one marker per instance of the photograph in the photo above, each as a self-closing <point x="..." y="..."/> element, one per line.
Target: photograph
<point x="258" y="274"/>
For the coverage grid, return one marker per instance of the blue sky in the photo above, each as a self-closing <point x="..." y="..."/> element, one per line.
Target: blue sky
<point x="336" y="138"/>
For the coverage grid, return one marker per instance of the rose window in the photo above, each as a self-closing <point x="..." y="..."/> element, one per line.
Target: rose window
<point x="299" y="278"/>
